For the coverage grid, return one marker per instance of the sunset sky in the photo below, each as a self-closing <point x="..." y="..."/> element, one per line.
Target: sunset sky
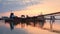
<point x="28" y="7"/>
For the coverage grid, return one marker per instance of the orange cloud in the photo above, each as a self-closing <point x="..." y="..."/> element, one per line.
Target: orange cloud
<point x="46" y="7"/>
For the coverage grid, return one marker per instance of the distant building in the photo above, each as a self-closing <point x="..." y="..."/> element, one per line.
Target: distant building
<point x="22" y="16"/>
<point x="12" y="15"/>
<point x="4" y="17"/>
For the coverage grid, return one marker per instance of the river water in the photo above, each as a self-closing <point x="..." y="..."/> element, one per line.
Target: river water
<point x="5" y="28"/>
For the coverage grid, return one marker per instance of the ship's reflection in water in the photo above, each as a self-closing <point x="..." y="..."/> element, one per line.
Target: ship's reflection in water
<point x="24" y="29"/>
<point x="5" y="29"/>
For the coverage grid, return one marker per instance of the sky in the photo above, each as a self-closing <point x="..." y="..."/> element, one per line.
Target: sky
<point x="28" y="7"/>
<point x="17" y="4"/>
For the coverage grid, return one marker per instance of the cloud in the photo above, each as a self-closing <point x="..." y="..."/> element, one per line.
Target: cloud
<point x="17" y="4"/>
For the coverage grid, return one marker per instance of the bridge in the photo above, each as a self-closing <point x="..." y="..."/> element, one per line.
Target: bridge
<point x="35" y="19"/>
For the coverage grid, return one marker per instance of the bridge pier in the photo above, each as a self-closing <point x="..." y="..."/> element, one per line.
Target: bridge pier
<point x="52" y="20"/>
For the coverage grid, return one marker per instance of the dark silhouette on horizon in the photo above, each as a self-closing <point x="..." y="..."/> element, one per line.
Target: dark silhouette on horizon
<point x="40" y="19"/>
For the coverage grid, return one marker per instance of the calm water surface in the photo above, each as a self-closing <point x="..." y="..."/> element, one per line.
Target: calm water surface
<point x="5" y="28"/>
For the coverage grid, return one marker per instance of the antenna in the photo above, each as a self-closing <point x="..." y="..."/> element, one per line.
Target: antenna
<point x="41" y="13"/>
